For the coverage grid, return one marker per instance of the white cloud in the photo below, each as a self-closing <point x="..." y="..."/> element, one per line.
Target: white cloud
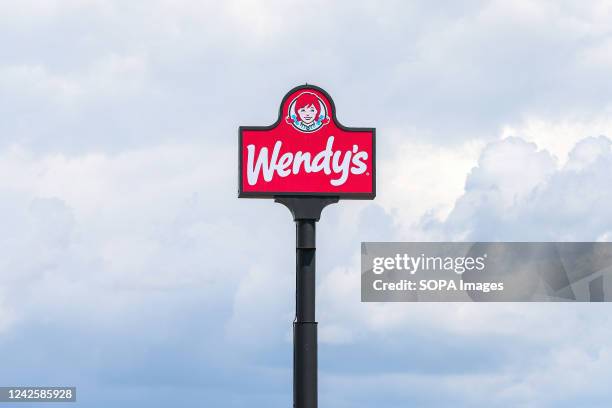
<point x="420" y="178"/>
<point x="559" y="136"/>
<point x="519" y="193"/>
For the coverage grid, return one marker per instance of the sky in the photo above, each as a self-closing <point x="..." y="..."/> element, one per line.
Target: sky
<point x="130" y="269"/>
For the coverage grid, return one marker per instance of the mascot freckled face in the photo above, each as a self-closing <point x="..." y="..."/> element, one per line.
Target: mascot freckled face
<point x="307" y="108"/>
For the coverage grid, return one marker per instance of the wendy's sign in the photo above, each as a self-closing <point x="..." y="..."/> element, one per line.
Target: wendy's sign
<point x="307" y="152"/>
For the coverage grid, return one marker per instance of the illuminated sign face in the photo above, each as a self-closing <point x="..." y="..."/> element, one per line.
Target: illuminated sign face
<point x="307" y="152"/>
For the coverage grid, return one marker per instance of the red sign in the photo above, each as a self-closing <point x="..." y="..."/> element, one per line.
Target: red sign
<point x="307" y="152"/>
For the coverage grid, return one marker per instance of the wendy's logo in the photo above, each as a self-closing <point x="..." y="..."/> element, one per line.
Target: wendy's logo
<point x="307" y="113"/>
<point x="307" y="152"/>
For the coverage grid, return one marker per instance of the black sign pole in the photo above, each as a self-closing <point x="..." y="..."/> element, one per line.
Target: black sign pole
<point x="306" y="212"/>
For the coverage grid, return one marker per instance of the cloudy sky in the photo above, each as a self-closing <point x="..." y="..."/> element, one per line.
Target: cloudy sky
<point x="130" y="269"/>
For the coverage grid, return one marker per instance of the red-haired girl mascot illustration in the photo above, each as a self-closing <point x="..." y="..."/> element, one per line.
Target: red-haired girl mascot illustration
<point x="307" y="112"/>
